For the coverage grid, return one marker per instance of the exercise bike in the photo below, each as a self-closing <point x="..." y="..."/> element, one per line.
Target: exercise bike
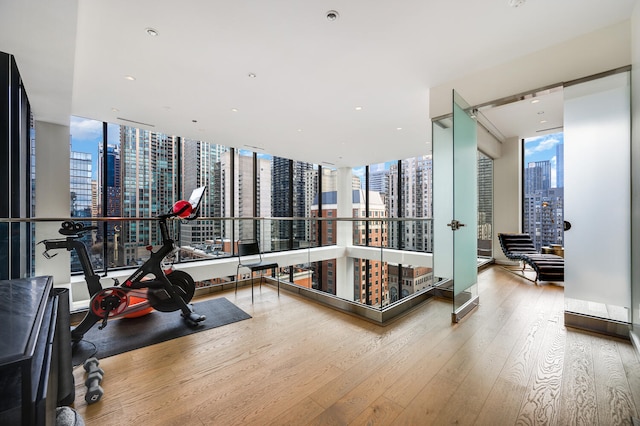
<point x="168" y="290"/>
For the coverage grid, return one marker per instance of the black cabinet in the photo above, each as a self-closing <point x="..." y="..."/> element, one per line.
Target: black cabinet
<point x="35" y="351"/>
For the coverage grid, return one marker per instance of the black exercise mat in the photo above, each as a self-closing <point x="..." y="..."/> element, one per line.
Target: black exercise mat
<point x="126" y="334"/>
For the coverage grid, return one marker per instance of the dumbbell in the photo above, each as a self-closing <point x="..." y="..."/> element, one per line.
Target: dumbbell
<point x="94" y="378"/>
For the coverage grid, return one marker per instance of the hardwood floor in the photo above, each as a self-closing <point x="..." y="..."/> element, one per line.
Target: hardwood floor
<point x="511" y="362"/>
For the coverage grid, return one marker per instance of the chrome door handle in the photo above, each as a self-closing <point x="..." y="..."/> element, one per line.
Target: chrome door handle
<point x="455" y="225"/>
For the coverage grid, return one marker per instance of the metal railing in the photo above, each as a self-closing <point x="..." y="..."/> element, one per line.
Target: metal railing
<point x="373" y="262"/>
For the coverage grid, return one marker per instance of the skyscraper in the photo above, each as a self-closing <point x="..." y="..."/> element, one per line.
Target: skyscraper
<point x="244" y="197"/>
<point x="415" y="198"/>
<point x="80" y="170"/>
<point x="148" y="173"/>
<point x="379" y="181"/>
<point x="485" y="205"/>
<point x="109" y="184"/>
<point x="543" y="205"/>
<point x="290" y="201"/>
<point x="202" y="166"/>
<point x="537" y="176"/>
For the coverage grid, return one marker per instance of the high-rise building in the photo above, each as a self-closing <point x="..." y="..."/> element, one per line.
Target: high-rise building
<point x="415" y="198"/>
<point x="537" y="176"/>
<point x="283" y="204"/>
<point x="148" y="176"/>
<point x="80" y="171"/>
<point x="244" y="197"/>
<point x="379" y="180"/>
<point x="110" y="184"/>
<point x="543" y="206"/>
<point x="201" y="165"/>
<point x="485" y="205"/>
<point x="95" y="208"/>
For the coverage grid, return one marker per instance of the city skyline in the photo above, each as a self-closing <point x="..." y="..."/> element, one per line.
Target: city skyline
<point x="543" y="198"/>
<point x="543" y="148"/>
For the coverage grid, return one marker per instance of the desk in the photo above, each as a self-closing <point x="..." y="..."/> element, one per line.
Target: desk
<point x="556" y="249"/>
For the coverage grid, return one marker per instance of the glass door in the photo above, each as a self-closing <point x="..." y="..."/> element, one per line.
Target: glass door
<point x="598" y="204"/>
<point x="465" y="209"/>
<point x="456" y="205"/>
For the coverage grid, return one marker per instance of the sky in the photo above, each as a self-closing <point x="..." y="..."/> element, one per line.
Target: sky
<point x="543" y="148"/>
<point x="86" y="136"/>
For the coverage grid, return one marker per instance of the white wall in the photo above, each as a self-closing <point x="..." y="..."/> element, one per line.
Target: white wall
<point x="344" y="234"/>
<point x="506" y="184"/>
<point x="52" y="196"/>
<point x="635" y="171"/>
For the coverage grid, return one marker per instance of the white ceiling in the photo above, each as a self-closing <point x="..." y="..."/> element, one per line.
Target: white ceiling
<point x="310" y="73"/>
<point x="537" y="114"/>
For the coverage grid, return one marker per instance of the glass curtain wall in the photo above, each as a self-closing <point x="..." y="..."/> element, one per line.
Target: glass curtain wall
<point x="244" y="196"/>
<point x="201" y="165"/>
<point x="86" y="198"/>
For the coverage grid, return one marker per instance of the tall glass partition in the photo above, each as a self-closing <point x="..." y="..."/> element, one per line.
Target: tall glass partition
<point x="597" y="200"/>
<point x="442" y="136"/>
<point x="465" y="208"/>
<point x="456" y="205"/>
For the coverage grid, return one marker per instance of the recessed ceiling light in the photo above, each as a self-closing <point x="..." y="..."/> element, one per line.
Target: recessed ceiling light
<point x="332" y="15"/>
<point x="543" y="121"/>
<point x="535" y="101"/>
<point x="152" y="32"/>
<point x="398" y="128"/>
<point x="251" y="75"/>
<point x="129" y="77"/>
<point x="115" y="109"/>
<point x="234" y="109"/>
<point x="358" y="108"/>
<point x="299" y="130"/>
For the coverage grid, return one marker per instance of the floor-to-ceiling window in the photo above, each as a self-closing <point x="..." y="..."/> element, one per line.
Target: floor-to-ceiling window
<point x="543" y="192"/>
<point x="485" y="206"/>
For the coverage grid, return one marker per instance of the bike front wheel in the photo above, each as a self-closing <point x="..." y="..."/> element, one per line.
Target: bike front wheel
<point x="183" y="285"/>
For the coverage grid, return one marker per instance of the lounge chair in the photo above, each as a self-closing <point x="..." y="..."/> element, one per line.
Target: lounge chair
<point x="519" y="247"/>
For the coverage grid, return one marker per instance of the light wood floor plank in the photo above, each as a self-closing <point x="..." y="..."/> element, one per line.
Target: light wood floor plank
<point x="381" y="412"/>
<point x="299" y="363"/>
<point x="578" y="388"/>
<point x="614" y="398"/>
<point x="541" y="403"/>
<point x="631" y="364"/>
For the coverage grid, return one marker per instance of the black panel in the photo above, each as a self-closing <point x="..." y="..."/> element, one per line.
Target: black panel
<point x="4" y="164"/>
<point x="14" y="137"/>
<point x="15" y="171"/>
<point x="4" y="134"/>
